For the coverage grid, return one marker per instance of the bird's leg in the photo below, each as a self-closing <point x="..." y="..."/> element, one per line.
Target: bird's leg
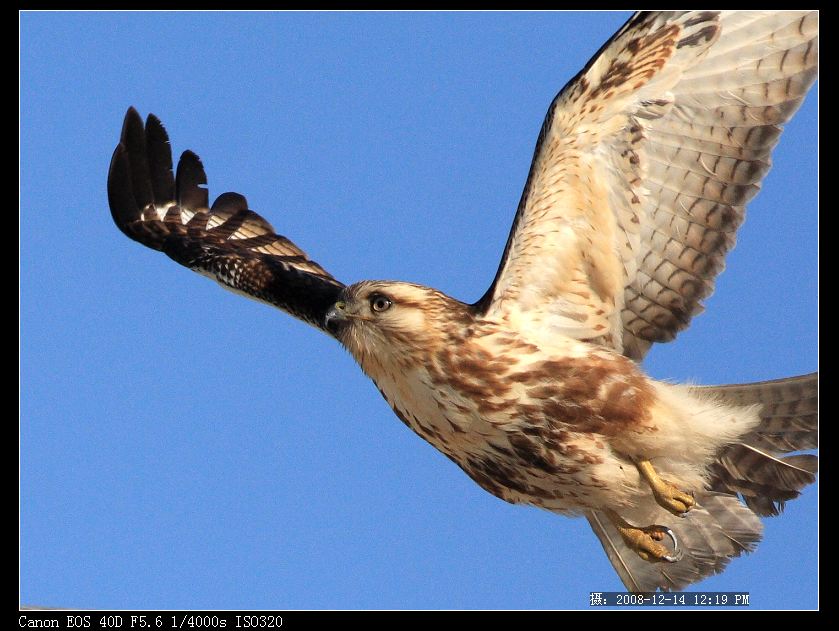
<point x="667" y="495"/>
<point x="644" y="540"/>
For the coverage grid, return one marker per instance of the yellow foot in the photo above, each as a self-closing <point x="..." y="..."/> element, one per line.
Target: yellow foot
<point x="644" y="540"/>
<point x="667" y="495"/>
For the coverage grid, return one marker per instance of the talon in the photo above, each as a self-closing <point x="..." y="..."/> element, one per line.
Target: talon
<point x="644" y="540"/>
<point x="677" y="552"/>
<point x="668" y="496"/>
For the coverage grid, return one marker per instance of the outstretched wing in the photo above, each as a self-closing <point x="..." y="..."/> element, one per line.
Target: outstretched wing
<point x="225" y="241"/>
<point x="642" y="171"/>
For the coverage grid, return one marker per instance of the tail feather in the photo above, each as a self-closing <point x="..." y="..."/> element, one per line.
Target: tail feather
<point x="711" y="534"/>
<point x="635" y="576"/>
<point x="752" y="465"/>
<point x="789" y="411"/>
<point x="755" y="468"/>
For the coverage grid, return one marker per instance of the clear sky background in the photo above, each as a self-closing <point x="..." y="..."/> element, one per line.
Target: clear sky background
<point x="181" y="447"/>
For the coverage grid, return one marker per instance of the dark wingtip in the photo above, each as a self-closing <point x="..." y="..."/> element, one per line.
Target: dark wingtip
<point x="130" y="124"/>
<point x="133" y="137"/>
<point x="137" y="178"/>
<point x="121" y="199"/>
<point x="156" y="132"/>
<point x="190" y="181"/>
<point x="120" y="195"/>
<point x="230" y="202"/>
<point x="159" y="153"/>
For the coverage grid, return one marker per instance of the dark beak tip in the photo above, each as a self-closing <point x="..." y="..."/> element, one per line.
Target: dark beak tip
<point x="333" y="319"/>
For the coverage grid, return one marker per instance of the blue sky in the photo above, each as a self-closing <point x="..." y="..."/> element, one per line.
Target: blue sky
<point x="181" y="447"/>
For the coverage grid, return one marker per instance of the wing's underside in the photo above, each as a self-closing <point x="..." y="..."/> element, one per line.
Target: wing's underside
<point x="226" y="241"/>
<point x="642" y="171"/>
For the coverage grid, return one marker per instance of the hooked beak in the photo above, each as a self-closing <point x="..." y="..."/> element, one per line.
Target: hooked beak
<point x="336" y="316"/>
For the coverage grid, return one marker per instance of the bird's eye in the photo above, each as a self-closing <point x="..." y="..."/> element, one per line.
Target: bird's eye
<point x="379" y="303"/>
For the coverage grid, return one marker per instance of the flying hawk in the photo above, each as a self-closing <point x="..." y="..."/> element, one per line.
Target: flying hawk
<point x="640" y="178"/>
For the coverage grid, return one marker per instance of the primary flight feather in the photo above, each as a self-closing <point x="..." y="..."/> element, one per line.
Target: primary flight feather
<point x="639" y="181"/>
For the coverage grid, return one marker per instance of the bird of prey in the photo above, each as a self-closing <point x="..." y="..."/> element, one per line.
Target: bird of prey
<point x="640" y="178"/>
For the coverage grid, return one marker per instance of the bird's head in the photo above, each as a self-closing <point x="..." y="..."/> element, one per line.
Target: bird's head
<point x="389" y="321"/>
